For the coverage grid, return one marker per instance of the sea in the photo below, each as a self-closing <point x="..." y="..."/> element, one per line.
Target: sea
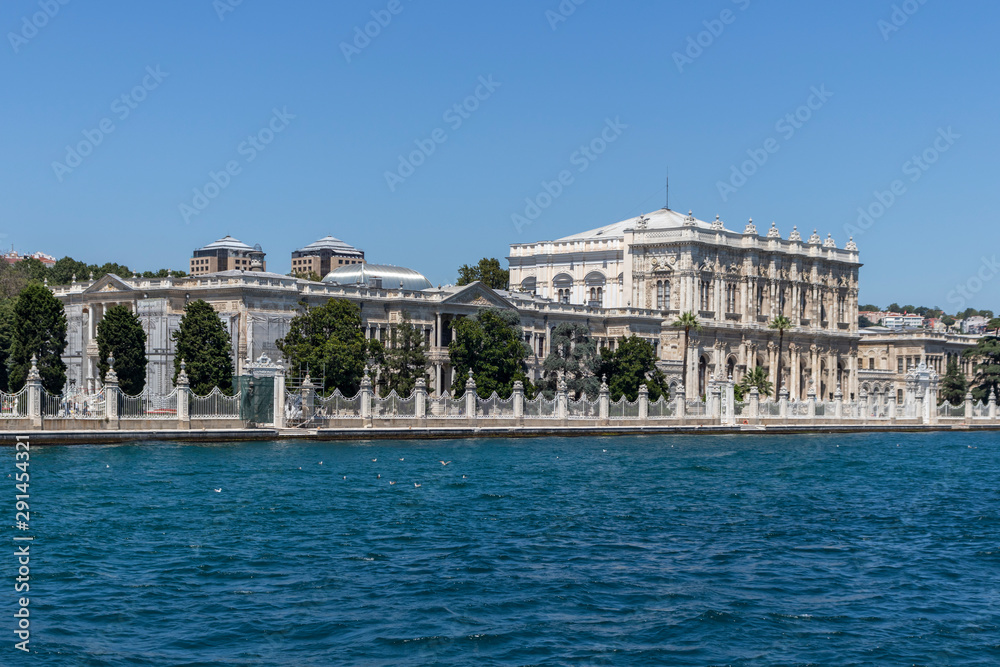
<point x="751" y="549"/>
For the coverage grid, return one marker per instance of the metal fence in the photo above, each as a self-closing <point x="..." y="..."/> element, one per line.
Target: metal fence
<point x="946" y="409"/>
<point x="14" y="406"/>
<point x="336" y="406"/>
<point x="540" y="407"/>
<point x="215" y="405"/>
<point x="583" y="409"/>
<point x="446" y="406"/>
<point x="662" y="409"/>
<point x="495" y="407"/>
<point x="394" y="407"/>
<point x="147" y="406"/>
<point x="623" y="409"/>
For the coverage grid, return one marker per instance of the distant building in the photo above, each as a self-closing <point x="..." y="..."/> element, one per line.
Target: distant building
<point x="13" y="257"/>
<point x="974" y="325"/>
<point x="324" y="256"/>
<point x="227" y="254"/>
<point x="901" y="320"/>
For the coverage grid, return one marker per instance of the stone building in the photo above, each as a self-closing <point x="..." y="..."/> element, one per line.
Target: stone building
<point x="257" y="307"/>
<point x="734" y="282"/>
<point x="323" y="256"/>
<point x="887" y="356"/>
<point x="227" y="254"/>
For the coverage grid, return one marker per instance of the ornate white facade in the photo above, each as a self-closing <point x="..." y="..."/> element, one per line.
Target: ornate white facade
<point x="735" y="282"/>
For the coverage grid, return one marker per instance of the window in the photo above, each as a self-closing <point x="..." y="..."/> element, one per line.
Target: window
<point x="706" y="294"/>
<point x="662" y="294"/>
<point x="899" y="365"/>
<point x="871" y="363"/>
<point x="760" y="300"/>
<point x="802" y="304"/>
<point x="781" y="301"/>
<point x="730" y="298"/>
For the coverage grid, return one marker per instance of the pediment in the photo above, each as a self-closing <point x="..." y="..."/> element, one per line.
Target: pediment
<point x="478" y="295"/>
<point x="109" y="283"/>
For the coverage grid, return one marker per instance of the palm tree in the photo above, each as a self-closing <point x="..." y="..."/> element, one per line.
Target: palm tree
<point x="782" y="324"/>
<point x="687" y="321"/>
<point x="756" y="378"/>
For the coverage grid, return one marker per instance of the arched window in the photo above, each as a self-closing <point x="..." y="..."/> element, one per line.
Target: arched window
<point x="663" y="295"/>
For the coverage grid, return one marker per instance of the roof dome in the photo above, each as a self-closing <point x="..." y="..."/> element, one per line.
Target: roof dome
<point x="228" y="243"/>
<point x="329" y="243"/>
<point x="381" y="276"/>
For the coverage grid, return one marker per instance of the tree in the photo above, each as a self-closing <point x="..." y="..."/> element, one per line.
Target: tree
<point x="328" y="343"/>
<point x="782" y="324"/>
<point x="864" y="322"/>
<point x="203" y="343"/>
<point x="755" y="378"/>
<point x="954" y="385"/>
<point x="870" y="308"/>
<point x="995" y="325"/>
<point x="39" y="330"/>
<point x="64" y="270"/>
<point x="574" y="357"/>
<point x="120" y="334"/>
<point x="32" y="269"/>
<point x="119" y="270"/>
<point x="6" y="339"/>
<point x="406" y="358"/>
<point x="686" y="321"/>
<point x="633" y="363"/>
<point x="986" y="355"/>
<point x="490" y="344"/>
<point x="488" y="272"/>
<point x="894" y="308"/>
<point x="11" y="281"/>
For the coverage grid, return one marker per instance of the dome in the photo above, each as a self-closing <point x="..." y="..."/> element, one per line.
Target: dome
<point x="228" y="243"/>
<point x="329" y="243"/>
<point x="379" y="276"/>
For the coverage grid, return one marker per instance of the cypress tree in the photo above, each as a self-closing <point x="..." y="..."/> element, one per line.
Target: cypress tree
<point x="205" y="346"/>
<point x="39" y="330"/>
<point x="120" y="334"/>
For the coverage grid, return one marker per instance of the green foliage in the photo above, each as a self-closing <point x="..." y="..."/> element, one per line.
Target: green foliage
<point x="6" y="339"/>
<point x="329" y="344"/>
<point x="120" y="334"/>
<point x="12" y="281"/>
<point x="575" y="357"/>
<point x="32" y="269"/>
<point x="870" y="307"/>
<point x="782" y="324"/>
<point x="119" y="270"/>
<point x="994" y="324"/>
<point x="311" y="276"/>
<point x="64" y="270"/>
<point x="40" y="330"/>
<point x="972" y="312"/>
<point x="948" y="320"/>
<point x="755" y="378"/>
<point x="954" y="384"/>
<point x="203" y="343"/>
<point x="491" y="345"/>
<point x="864" y="322"/>
<point x="986" y="354"/>
<point x="687" y="321"/>
<point x="488" y="272"/>
<point x="406" y="359"/>
<point x="633" y="363"/>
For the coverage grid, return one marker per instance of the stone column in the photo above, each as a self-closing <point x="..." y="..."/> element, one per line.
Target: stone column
<point x="643" y="402"/>
<point x="279" y="399"/>
<point x="34" y="385"/>
<point x="604" y="399"/>
<point x="308" y="399"/>
<point x="470" y="397"/>
<point x="890" y="405"/>
<point x="863" y="404"/>
<point x="111" y="394"/>
<point x="366" y="396"/>
<point x="993" y="405"/>
<point x="919" y="406"/>
<point x="968" y="406"/>
<point x="714" y="410"/>
<point x="783" y="403"/>
<point x="754" y="403"/>
<point x="838" y="404"/>
<point x="183" y="390"/>
<point x="420" y="398"/>
<point x="562" y="399"/>
<point x="811" y="402"/>
<point x="681" y="401"/>
<point x="518" y="399"/>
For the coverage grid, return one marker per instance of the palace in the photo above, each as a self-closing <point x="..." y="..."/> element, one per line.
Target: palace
<point x="633" y="277"/>
<point x="735" y="282"/>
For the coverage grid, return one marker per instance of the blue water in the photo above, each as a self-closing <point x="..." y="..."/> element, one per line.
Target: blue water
<point x="752" y="550"/>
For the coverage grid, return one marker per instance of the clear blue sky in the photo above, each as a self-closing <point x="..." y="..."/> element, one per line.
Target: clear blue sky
<point x="324" y="173"/>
